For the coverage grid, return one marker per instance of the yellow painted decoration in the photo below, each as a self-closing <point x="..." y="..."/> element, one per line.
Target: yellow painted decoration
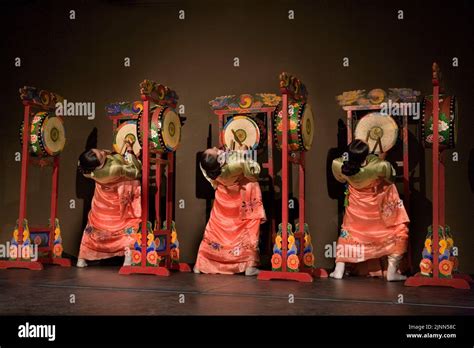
<point x="428" y="245"/>
<point x="15" y="234"/>
<point x="450" y="242"/>
<point x="443" y="244"/>
<point x="150" y="239"/>
<point x="270" y="99"/>
<point x="174" y="236"/>
<point x="278" y="241"/>
<point x="57" y="233"/>
<point x="307" y="240"/>
<point x="245" y="101"/>
<point x="26" y="233"/>
<point x="291" y="242"/>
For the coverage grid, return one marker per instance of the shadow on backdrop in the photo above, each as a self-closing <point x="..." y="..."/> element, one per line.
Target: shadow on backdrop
<point x="85" y="187"/>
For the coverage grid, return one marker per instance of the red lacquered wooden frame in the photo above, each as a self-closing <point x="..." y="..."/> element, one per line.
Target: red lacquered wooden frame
<point x="30" y="105"/>
<point x="170" y="187"/>
<point x="459" y="281"/>
<point x="304" y="275"/>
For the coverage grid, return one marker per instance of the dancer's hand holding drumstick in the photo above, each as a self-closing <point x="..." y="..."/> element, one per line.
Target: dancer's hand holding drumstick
<point x="128" y="144"/>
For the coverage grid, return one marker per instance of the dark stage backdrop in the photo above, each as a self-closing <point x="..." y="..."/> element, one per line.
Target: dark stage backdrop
<point x="83" y="60"/>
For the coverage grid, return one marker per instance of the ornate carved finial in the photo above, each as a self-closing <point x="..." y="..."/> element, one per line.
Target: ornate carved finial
<point x="158" y="93"/>
<point x="293" y="87"/>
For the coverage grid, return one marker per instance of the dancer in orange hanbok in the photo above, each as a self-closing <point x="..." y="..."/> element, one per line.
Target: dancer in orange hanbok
<point x="116" y="208"/>
<point x="230" y="243"/>
<point x="375" y="221"/>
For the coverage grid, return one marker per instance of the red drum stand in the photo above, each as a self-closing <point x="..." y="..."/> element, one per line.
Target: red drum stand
<point x="158" y="250"/>
<point x="430" y="270"/>
<point x="46" y="238"/>
<point x="293" y="257"/>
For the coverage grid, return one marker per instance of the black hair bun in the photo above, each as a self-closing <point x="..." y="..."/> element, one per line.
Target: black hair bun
<point x="211" y="165"/>
<point x="88" y="162"/>
<point x="350" y="168"/>
<point x="213" y="174"/>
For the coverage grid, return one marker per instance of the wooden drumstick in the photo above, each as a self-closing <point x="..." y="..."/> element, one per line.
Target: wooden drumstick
<point x="129" y="139"/>
<point x="379" y="144"/>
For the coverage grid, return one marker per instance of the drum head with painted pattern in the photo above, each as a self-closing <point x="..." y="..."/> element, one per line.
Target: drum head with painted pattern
<point x="307" y="127"/>
<point x="375" y="125"/>
<point x="53" y="135"/>
<point x="171" y="129"/>
<point x="126" y="130"/>
<point x="241" y="130"/>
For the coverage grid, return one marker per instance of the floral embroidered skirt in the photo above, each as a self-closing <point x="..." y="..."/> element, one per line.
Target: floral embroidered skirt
<point x="230" y="243"/>
<point x="375" y="224"/>
<point x="115" y="214"/>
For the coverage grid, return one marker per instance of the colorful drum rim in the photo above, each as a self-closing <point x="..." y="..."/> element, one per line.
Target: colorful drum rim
<point x="250" y="120"/>
<point x="38" y="134"/>
<point x="136" y="145"/>
<point x="452" y="132"/>
<point x="300" y="142"/>
<point x="139" y="123"/>
<point x="157" y="142"/>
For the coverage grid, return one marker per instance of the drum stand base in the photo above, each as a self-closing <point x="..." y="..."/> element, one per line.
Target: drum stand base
<point x="459" y="281"/>
<point x="35" y="265"/>
<point x="31" y="265"/>
<point x="303" y="277"/>
<point x="159" y="271"/>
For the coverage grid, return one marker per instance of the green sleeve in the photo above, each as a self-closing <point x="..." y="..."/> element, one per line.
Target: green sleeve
<point x="386" y="171"/>
<point x="337" y="170"/>
<point x="251" y="170"/>
<point x="116" y="169"/>
<point x="131" y="169"/>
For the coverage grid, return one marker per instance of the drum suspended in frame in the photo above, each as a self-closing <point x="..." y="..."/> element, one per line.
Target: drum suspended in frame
<point x="447" y="125"/>
<point x="300" y="128"/>
<point x="165" y="130"/>
<point x="47" y="135"/>
<point x="379" y="131"/>
<point x="126" y="131"/>
<point x="241" y="130"/>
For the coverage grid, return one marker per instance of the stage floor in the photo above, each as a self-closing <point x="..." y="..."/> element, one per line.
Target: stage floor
<point x="100" y="290"/>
